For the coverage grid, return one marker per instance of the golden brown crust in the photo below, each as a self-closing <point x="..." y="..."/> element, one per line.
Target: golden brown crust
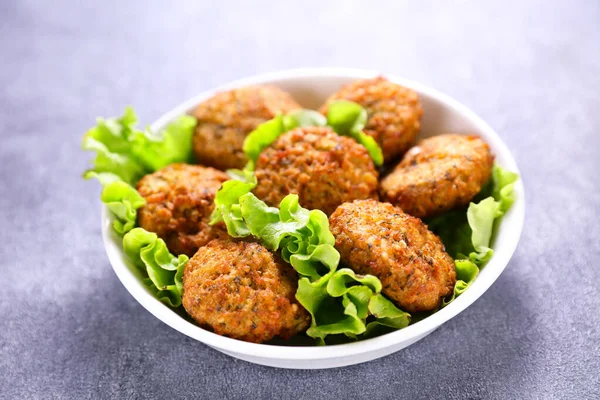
<point x="411" y="262"/>
<point x="394" y="113"/>
<point x="321" y="167"/>
<point x="440" y="173"/>
<point x="227" y="118"/>
<point x="242" y="290"/>
<point x="179" y="202"/>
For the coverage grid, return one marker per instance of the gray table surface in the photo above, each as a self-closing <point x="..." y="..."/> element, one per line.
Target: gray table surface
<point x="70" y="330"/>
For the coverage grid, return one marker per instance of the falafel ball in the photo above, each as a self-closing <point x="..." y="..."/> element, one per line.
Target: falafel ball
<point x="227" y="118"/>
<point x="411" y="262"/>
<point x="179" y="202"/>
<point x="321" y="167"/>
<point x="439" y="174"/>
<point x="394" y="113"/>
<point x="242" y="290"/>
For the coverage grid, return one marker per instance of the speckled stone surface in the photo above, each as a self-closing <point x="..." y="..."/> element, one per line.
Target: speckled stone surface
<point x="70" y="330"/>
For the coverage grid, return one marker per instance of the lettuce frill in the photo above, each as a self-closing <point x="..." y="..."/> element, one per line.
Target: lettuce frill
<point x="339" y="300"/>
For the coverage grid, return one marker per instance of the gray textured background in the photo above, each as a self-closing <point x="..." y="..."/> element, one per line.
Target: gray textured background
<point x="70" y="330"/>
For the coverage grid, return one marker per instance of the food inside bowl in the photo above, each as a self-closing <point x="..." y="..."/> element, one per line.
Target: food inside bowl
<point x="337" y="225"/>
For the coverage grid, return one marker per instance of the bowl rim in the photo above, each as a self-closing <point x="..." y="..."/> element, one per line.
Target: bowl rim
<point x="290" y="353"/>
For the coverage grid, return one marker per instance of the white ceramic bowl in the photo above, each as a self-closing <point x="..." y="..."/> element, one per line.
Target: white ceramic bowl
<point x="310" y="87"/>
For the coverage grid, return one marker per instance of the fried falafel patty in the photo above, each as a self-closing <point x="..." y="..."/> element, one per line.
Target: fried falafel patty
<point x="411" y="262"/>
<point x="227" y="118"/>
<point x="321" y="167"/>
<point x="179" y="202"/>
<point x="439" y="174"/>
<point x="394" y="113"/>
<point x="242" y="290"/>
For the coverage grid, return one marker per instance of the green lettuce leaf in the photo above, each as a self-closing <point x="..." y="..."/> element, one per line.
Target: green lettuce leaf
<point x="121" y="199"/>
<point x="345" y="279"/>
<point x="481" y="217"/>
<point x="294" y="230"/>
<point x="339" y="301"/>
<point x="467" y="235"/>
<point x="114" y="133"/>
<point x="244" y="175"/>
<point x="127" y="169"/>
<point x="454" y="231"/>
<point x="303" y="118"/>
<point x="267" y="223"/>
<point x="172" y="145"/>
<point x="388" y="317"/>
<point x="330" y="315"/>
<point x="145" y="249"/>
<point x="265" y="134"/>
<point x="164" y="270"/>
<point x="227" y="207"/>
<point x="123" y="155"/>
<point x="466" y="272"/>
<point x="502" y="188"/>
<point x="129" y="153"/>
<point x="344" y="305"/>
<point x="344" y="117"/>
<point x="339" y="304"/>
<point x="349" y="119"/>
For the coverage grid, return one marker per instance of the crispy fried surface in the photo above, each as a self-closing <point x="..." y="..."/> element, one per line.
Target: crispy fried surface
<point x="226" y="119"/>
<point x="394" y="113"/>
<point x="321" y="167"/>
<point x="179" y="203"/>
<point x="242" y="290"/>
<point x="440" y="173"/>
<point x="379" y="239"/>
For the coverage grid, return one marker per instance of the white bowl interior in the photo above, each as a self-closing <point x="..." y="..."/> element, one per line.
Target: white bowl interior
<point x="310" y="87"/>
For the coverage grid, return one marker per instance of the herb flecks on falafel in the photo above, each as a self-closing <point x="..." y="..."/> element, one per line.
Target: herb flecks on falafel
<point x="179" y="202"/>
<point x="227" y="118"/>
<point x="242" y="290"/>
<point x="440" y="173"/>
<point x="321" y="167"/>
<point x="394" y="113"/>
<point x="411" y="262"/>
